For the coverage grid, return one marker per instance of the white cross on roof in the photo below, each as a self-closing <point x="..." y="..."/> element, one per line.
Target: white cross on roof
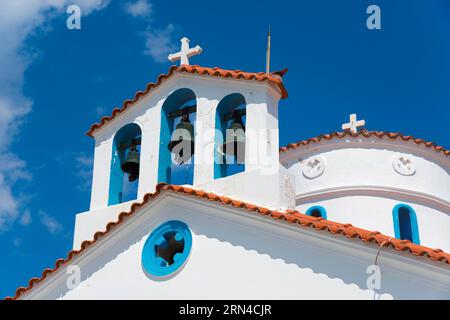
<point x="185" y="53"/>
<point x="354" y="124"/>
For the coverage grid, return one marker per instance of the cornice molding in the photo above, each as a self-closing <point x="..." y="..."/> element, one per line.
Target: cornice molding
<point x="374" y="190"/>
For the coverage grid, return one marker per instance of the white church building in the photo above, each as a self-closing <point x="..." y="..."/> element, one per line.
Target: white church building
<point x="230" y="214"/>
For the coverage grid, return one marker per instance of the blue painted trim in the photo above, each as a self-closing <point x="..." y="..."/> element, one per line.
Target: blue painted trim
<point x="219" y="166"/>
<point x="156" y="266"/>
<point x="322" y="210"/>
<point x="115" y="178"/>
<point x="165" y="160"/>
<point x="413" y="222"/>
<point x="228" y="104"/>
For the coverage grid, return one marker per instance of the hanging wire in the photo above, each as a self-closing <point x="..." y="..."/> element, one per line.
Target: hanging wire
<point x="376" y="261"/>
<point x="379" y="250"/>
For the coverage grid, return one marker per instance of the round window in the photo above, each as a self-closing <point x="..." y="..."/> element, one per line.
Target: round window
<point x="167" y="249"/>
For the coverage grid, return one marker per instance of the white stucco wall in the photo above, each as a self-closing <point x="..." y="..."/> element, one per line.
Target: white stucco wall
<point x="237" y="255"/>
<point x="360" y="186"/>
<point x="370" y="163"/>
<point x="375" y="213"/>
<point x="268" y="187"/>
<point x="88" y="223"/>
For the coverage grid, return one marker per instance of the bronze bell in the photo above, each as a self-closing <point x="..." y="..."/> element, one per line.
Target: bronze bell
<point x="182" y="140"/>
<point x="235" y="141"/>
<point x="131" y="165"/>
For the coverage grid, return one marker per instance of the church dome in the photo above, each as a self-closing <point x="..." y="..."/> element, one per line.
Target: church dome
<point x="362" y="176"/>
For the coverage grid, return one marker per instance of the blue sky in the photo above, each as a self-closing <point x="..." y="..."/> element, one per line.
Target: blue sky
<point x="55" y="82"/>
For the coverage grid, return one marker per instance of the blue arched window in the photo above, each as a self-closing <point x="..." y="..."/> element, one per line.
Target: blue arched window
<point x="317" y="211"/>
<point x="169" y="171"/>
<point x="122" y="187"/>
<point x="167" y="249"/>
<point x="405" y="223"/>
<point x="231" y="113"/>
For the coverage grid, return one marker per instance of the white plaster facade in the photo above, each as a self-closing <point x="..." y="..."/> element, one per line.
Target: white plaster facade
<point x="241" y="255"/>
<point x="360" y="185"/>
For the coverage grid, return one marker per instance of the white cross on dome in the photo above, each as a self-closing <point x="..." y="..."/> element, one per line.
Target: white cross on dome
<point x="354" y="124"/>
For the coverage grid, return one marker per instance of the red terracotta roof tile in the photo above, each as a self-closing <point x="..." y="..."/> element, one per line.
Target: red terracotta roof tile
<point x="275" y="78"/>
<point x="366" y="134"/>
<point x="290" y="216"/>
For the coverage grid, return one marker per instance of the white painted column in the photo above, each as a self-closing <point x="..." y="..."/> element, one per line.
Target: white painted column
<point x="273" y="126"/>
<point x="262" y="136"/>
<point x="148" y="171"/>
<point x="101" y="173"/>
<point x="204" y="140"/>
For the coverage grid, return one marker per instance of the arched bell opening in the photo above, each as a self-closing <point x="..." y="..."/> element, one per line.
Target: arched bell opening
<point x="125" y="163"/>
<point x="229" y="150"/>
<point x="177" y="137"/>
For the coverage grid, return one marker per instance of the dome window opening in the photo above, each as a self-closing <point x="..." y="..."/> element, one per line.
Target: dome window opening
<point x="405" y="223"/>
<point x="317" y="212"/>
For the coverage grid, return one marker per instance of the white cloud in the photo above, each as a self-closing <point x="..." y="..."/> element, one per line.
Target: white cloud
<point x="11" y="170"/>
<point x="18" y="20"/>
<point x="159" y="43"/>
<point x="139" y="8"/>
<point x="84" y="166"/>
<point x="50" y="223"/>
<point x="26" y="219"/>
<point x="13" y="107"/>
<point x="8" y="205"/>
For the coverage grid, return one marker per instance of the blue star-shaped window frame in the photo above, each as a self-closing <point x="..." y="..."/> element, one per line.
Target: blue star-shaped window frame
<point x="167" y="249"/>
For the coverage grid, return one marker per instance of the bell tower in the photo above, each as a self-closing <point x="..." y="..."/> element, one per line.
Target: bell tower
<point x="210" y="128"/>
